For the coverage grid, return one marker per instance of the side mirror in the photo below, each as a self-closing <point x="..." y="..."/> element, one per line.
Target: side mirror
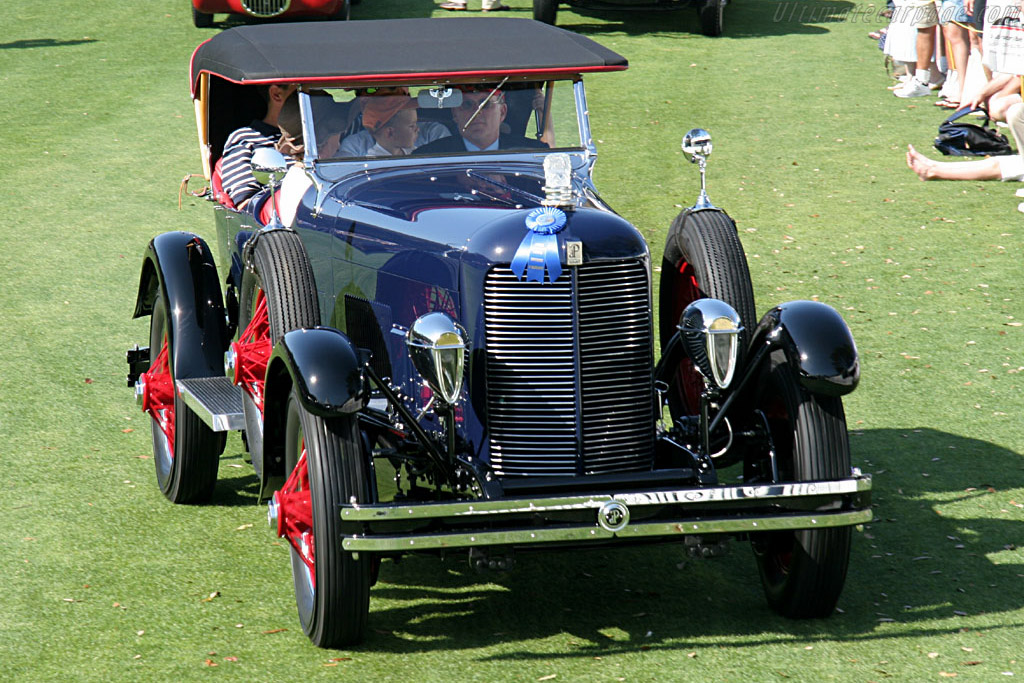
<point x="697" y="145"/>
<point x="268" y="165"/>
<point x="697" y="142"/>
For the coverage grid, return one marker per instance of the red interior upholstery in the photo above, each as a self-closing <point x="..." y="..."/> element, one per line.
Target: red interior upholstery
<point x="218" y="189"/>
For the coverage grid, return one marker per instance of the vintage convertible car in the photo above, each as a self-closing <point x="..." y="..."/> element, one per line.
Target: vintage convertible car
<point x="453" y="351"/>
<point x="203" y="10"/>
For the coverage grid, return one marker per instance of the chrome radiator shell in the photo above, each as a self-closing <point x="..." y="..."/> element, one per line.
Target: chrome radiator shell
<point x="569" y="363"/>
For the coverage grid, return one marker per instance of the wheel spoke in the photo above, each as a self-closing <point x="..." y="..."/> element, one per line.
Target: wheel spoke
<point x="252" y="352"/>
<point x="158" y="395"/>
<point x="295" y="514"/>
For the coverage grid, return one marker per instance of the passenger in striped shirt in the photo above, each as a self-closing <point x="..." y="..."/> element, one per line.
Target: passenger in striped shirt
<point x="236" y="164"/>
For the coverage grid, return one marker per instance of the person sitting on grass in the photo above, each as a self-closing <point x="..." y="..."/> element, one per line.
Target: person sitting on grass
<point x="1008" y="167"/>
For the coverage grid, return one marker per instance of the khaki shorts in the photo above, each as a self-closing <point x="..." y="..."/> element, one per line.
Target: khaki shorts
<point x="923" y="13"/>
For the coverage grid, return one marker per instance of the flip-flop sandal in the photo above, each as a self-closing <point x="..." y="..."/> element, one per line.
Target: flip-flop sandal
<point x="947" y="104"/>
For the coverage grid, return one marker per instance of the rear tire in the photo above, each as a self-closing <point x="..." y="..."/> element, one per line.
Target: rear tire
<point x="186" y="452"/>
<point x="545" y="11"/>
<point x="712" y="17"/>
<point x="703" y="258"/>
<point x="803" y="572"/>
<point x="332" y="592"/>
<point x="283" y="274"/>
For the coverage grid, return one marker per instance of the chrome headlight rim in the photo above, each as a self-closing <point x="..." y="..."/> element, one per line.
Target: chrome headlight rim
<point x="710" y="331"/>
<point x="437" y="346"/>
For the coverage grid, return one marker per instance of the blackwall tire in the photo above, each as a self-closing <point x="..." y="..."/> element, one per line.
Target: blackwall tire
<point x="201" y="19"/>
<point x="344" y="11"/>
<point x="545" y="11"/>
<point x="332" y="595"/>
<point x="703" y="258"/>
<point x="712" y="17"/>
<point x="186" y="467"/>
<point x="282" y="272"/>
<point x="803" y="572"/>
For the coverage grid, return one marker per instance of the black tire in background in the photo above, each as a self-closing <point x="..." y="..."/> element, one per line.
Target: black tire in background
<point x="189" y="473"/>
<point x="344" y="12"/>
<point x="283" y="273"/>
<point x="712" y="17"/>
<point x="201" y="19"/>
<point x="545" y="11"/>
<point x="333" y="609"/>
<point x="703" y="259"/>
<point x="803" y="572"/>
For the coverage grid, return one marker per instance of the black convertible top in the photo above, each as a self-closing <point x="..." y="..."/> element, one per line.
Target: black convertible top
<point x="393" y="49"/>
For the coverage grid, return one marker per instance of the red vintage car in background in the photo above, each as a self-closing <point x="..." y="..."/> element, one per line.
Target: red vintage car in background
<point x="203" y="10"/>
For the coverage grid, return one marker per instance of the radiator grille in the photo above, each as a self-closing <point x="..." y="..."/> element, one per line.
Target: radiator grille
<point x="265" y="8"/>
<point x="558" y="407"/>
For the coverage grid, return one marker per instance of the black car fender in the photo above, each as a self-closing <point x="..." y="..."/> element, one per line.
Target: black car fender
<point x="180" y="265"/>
<point x="325" y="368"/>
<point x="817" y="343"/>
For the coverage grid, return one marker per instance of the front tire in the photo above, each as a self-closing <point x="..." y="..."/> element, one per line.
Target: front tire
<point x="703" y="258"/>
<point x="328" y="468"/>
<point x="803" y="572"/>
<point x="186" y="452"/>
<point x="282" y="279"/>
<point x="201" y="19"/>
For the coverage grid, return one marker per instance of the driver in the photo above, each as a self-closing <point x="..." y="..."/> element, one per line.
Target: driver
<point x="478" y="120"/>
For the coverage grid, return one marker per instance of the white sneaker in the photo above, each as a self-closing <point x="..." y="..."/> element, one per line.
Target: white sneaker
<point x="912" y="88"/>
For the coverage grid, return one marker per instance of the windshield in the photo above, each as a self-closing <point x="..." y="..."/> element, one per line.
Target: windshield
<point x="431" y="120"/>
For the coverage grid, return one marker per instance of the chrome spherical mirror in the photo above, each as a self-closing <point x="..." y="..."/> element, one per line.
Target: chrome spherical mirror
<point x="710" y="331"/>
<point x="697" y="141"/>
<point x="268" y="165"/>
<point x="437" y="345"/>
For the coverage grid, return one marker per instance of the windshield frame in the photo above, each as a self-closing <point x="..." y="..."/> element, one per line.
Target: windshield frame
<point x="579" y="135"/>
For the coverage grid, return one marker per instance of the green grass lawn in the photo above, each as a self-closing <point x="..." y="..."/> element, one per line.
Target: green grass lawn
<point x="106" y="580"/>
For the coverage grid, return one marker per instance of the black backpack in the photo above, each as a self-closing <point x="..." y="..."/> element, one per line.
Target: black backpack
<point x="970" y="140"/>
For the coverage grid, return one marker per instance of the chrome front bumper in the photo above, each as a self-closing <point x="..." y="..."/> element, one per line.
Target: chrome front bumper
<point x="662" y="513"/>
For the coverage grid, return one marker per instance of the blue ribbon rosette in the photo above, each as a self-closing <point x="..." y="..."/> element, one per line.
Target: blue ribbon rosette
<point x="539" y="249"/>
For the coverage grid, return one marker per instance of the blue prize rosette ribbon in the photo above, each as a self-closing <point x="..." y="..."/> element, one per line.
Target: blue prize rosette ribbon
<point x="539" y="249"/>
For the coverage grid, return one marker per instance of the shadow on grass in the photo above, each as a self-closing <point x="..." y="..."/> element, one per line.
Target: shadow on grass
<point x="927" y="565"/>
<point x="237" y="484"/>
<point x="42" y="42"/>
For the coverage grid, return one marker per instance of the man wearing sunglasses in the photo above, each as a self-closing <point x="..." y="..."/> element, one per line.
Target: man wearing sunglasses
<point x="478" y="122"/>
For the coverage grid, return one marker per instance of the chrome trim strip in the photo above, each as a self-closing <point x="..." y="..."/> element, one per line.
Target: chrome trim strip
<point x="594" y="532"/>
<point x="693" y="496"/>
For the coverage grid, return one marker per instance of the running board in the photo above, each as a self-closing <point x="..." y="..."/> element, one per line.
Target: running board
<point x="215" y="400"/>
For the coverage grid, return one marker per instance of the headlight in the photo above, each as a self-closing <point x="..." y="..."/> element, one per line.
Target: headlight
<point x="711" y="337"/>
<point x="437" y="345"/>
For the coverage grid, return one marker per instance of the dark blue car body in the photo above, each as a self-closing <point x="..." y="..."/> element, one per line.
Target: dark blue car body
<point x="405" y="383"/>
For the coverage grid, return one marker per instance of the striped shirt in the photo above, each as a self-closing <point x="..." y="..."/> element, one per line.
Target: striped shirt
<point x="236" y="162"/>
